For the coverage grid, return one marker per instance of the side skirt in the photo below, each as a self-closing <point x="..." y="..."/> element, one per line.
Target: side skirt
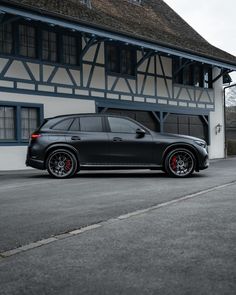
<point x="118" y="167"/>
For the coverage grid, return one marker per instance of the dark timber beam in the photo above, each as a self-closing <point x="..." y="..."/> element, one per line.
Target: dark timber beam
<point x="187" y="63"/>
<point x="146" y="56"/>
<point x="94" y="40"/>
<point x="7" y="18"/>
<point x="223" y="72"/>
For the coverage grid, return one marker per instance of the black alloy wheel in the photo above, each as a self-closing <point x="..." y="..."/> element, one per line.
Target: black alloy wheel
<point x="61" y="163"/>
<point x="180" y="163"/>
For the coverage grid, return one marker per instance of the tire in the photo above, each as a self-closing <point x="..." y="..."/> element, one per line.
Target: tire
<point x="62" y="163"/>
<point x="180" y="163"/>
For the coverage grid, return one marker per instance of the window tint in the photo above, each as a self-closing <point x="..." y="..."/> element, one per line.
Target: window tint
<point x="75" y="125"/>
<point x="63" y="125"/>
<point x="122" y="125"/>
<point x="93" y="124"/>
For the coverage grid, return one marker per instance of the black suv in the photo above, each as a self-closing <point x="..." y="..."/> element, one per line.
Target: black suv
<point x="66" y="144"/>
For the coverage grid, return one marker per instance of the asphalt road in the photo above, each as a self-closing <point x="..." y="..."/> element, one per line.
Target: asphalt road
<point x="184" y="247"/>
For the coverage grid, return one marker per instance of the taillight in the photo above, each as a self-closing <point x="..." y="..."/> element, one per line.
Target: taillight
<point x="35" y="136"/>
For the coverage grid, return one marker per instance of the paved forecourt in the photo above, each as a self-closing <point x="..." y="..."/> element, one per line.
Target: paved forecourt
<point x="35" y="207"/>
<point x="186" y="246"/>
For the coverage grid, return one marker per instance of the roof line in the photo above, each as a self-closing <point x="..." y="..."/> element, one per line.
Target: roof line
<point x="118" y="37"/>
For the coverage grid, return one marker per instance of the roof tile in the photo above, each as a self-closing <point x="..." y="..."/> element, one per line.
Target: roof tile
<point x="153" y="20"/>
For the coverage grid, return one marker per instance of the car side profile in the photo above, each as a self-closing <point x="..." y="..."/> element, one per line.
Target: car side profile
<point x="64" y="145"/>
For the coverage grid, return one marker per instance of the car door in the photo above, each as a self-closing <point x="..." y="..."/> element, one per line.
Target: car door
<point x="88" y="136"/>
<point x="125" y="145"/>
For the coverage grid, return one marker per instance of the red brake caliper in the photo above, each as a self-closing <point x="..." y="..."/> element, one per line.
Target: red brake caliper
<point x="174" y="163"/>
<point x="68" y="165"/>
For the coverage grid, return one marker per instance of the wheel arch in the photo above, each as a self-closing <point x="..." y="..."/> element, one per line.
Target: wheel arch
<point x="56" y="146"/>
<point x="181" y="145"/>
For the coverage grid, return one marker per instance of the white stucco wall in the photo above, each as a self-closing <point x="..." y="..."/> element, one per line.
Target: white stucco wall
<point x="13" y="157"/>
<point x="216" y="149"/>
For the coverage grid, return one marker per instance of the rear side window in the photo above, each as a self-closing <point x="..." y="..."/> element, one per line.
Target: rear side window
<point x="63" y="125"/>
<point x="75" y="125"/>
<point x="91" y="124"/>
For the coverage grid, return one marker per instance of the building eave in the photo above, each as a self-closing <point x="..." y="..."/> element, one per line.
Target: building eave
<point x="102" y="32"/>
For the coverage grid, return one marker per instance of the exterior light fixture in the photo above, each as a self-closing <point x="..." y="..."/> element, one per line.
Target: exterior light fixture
<point x="218" y="128"/>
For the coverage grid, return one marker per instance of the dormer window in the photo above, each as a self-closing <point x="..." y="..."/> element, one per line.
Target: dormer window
<point x="87" y="3"/>
<point x="137" y="2"/>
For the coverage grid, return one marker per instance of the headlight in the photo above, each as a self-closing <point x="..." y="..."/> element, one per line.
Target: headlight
<point x="201" y="143"/>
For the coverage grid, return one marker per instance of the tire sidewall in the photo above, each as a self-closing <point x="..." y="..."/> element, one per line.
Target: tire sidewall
<point x="167" y="159"/>
<point x="74" y="163"/>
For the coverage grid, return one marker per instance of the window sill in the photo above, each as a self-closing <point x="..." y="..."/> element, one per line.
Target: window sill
<point x="13" y="143"/>
<point x="191" y="86"/>
<point x="39" y="61"/>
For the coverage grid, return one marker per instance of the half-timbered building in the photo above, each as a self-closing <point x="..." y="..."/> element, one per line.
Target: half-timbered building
<point x="129" y="57"/>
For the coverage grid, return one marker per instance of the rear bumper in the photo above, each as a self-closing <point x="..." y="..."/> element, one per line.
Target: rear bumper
<point x="34" y="163"/>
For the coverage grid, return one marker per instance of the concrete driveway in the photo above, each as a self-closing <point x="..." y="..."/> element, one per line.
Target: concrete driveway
<point x="150" y="234"/>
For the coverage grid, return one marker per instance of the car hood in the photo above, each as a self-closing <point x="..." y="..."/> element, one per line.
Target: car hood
<point x="177" y="136"/>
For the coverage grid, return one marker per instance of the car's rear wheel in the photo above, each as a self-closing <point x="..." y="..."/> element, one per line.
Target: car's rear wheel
<point x="61" y="163"/>
<point x="180" y="162"/>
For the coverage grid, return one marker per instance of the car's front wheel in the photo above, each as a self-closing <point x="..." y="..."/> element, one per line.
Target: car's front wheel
<point x="180" y="162"/>
<point x="61" y="163"/>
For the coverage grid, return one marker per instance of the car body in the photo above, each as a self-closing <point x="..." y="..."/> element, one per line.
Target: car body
<point x="66" y="144"/>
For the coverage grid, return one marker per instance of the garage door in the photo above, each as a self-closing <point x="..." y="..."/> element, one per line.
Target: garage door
<point x="145" y="118"/>
<point x="187" y="125"/>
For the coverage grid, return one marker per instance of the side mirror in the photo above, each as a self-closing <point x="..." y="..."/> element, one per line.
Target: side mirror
<point x="140" y="132"/>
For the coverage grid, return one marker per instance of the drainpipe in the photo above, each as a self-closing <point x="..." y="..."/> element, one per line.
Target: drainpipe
<point x="230" y="86"/>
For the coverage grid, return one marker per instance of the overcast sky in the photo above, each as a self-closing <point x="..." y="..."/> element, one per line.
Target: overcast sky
<point x="215" y="20"/>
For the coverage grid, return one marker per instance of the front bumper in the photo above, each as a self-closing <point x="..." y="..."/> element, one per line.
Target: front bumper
<point x="204" y="164"/>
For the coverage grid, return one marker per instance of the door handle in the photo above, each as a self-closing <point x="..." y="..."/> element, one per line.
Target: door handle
<point x="75" y="138"/>
<point x="117" y="139"/>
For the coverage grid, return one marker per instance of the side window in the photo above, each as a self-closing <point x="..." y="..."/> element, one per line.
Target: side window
<point x="63" y="125"/>
<point x="75" y="125"/>
<point x="122" y="125"/>
<point x="91" y="124"/>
